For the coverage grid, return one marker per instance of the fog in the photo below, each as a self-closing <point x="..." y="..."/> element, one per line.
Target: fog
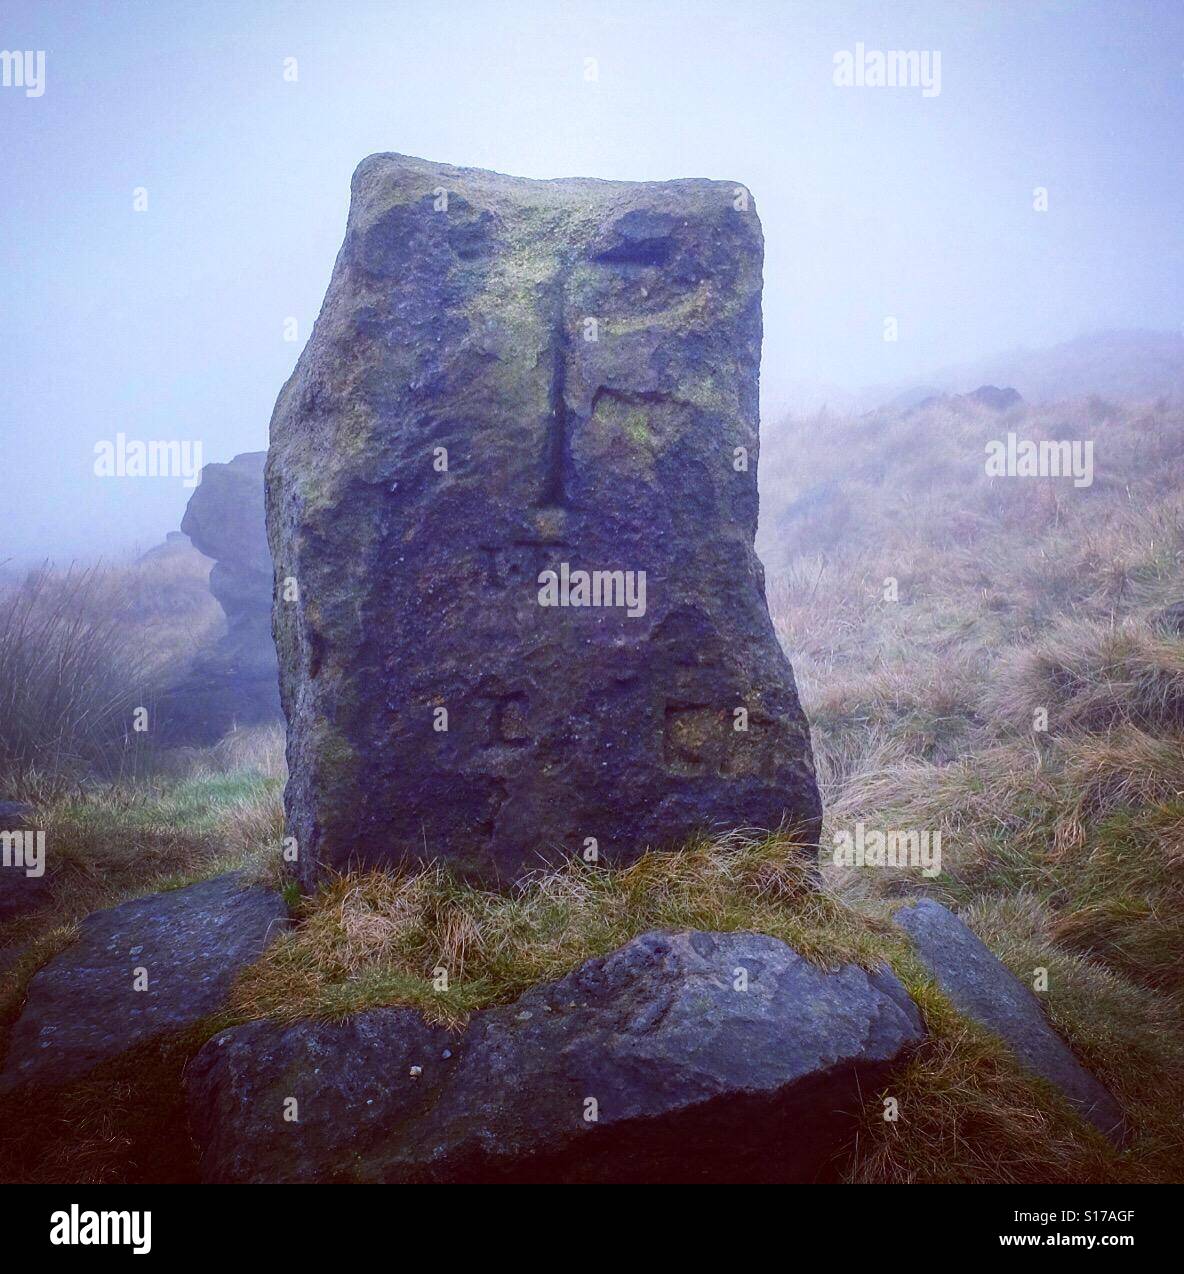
<point x="172" y="199"/>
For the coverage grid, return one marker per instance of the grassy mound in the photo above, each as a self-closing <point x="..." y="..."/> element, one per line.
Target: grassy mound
<point x="379" y="938"/>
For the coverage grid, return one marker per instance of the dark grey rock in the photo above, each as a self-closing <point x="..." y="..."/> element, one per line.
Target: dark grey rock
<point x="694" y="1079"/>
<point x="982" y="988"/>
<point x="994" y="398"/>
<point x="82" y="1008"/>
<point x="466" y="327"/>
<point x="989" y="396"/>
<point x="352" y="1082"/>
<point x="21" y="893"/>
<point x="237" y="683"/>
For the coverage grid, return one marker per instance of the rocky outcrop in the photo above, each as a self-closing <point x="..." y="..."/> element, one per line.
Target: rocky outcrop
<point x="236" y="683"/>
<point x="136" y="974"/>
<point x="176" y="544"/>
<point x="994" y="398"/>
<point x="990" y="397"/>
<point x="682" y="1057"/>
<point x="514" y="480"/>
<point x="982" y="988"/>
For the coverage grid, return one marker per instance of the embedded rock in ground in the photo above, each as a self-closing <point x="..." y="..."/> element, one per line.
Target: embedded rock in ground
<point x="514" y="479"/>
<point x="183" y="947"/>
<point x="983" y="989"/>
<point x="681" y="1057"/>
<point x="236" y="683"/>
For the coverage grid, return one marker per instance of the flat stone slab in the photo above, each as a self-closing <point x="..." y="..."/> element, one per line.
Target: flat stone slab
<point x="688" y="1057"/>
<point x="983" y="989"/>
<point x="83" y="1007"/>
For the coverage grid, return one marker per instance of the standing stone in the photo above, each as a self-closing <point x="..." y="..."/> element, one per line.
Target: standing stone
<point x="512" y="383"/>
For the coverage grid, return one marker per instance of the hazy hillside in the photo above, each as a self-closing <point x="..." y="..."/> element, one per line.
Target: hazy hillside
<point x="1127" y="365"/>
<point x="1124" y="365"/>
<point x="999" y="659"/>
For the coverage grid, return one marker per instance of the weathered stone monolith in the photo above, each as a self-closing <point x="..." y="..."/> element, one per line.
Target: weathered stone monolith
<point x="512" y="495"/>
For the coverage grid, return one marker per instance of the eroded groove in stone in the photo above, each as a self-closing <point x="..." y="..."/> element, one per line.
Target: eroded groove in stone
<point x="555" y="492"/>
<point x="586" y="354"/>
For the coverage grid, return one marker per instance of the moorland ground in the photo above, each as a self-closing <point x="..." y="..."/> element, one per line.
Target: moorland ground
<point x="992" y="658"/>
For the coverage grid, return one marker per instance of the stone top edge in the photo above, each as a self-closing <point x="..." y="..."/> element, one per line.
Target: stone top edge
<point x="392" y="164"/>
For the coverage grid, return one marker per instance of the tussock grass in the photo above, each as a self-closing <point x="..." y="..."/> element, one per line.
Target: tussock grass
<point x="375" y="938"/>
<point x="258" y="749"/>
<point x="1089" y="676"/>
<point x="969" y="1114"/>
<point x="80" y="650"/>
<point x="1060" y="847"/>
<point x="68" y="683"/>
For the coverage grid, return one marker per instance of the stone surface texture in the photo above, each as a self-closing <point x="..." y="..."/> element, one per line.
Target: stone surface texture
<point x="708" y="1057"/>
<point x="83" y="1008"/>
<point x="586" y="353"/>
<point x="982" y="988"/>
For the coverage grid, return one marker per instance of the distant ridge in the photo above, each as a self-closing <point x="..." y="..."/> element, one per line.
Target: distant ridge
<point x="1118" y="364"/>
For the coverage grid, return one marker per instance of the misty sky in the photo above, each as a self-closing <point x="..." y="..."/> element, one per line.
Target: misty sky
<point x="876" y="202"/>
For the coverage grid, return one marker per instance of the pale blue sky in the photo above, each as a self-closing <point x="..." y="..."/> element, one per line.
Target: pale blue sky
<point x="875" y="202"/>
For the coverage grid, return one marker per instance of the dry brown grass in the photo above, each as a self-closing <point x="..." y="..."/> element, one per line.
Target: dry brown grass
<point x="380" y="938"/>
<point x="80" y="650"/>
<point x="1060" y="846"/>
<point x="968" y="1114"/>
<point x="1088" y="676"/>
